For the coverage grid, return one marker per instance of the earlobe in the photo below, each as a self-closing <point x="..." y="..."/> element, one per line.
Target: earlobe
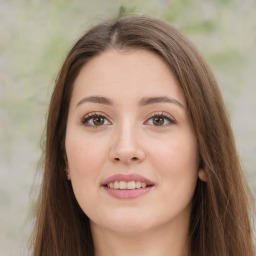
<point x="67" y="168"/>
<point x="68" y="175"/>
<point x="202" y="175"/>
<point x="67" y="172"/>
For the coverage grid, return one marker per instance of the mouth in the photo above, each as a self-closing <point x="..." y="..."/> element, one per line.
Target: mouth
<point x="127" y="186"/>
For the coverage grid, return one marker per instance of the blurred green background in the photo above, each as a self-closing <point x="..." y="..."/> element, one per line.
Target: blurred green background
<point x="35" y="36"/>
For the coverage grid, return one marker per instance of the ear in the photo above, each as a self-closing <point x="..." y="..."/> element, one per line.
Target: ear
<point x="68" y="176"/>
<point x="67" y="172"/>
<point x="202" y="175"/>
<point x="67" y="168"/>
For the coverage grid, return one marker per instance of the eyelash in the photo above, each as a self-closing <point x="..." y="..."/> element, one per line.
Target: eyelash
<point x="90" y="116"/>
<point x="166" y="116"/>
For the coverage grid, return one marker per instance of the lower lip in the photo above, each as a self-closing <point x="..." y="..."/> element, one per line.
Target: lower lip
<point x="127" y="193"/>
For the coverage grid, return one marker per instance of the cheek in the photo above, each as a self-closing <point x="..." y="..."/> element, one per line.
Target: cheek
<point x="176" y="162"/>
<point x="177" y="155"/>
<point x="86" y="160"/>
<point x="85" y="156"/>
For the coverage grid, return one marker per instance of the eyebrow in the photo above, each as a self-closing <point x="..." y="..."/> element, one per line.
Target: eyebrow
<point x="95" y="99"/>
<point x="162" y="99"/>
<point x="143" y="102"/>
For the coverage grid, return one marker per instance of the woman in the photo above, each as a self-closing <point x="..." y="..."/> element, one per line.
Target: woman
<point x="140" y="157"/>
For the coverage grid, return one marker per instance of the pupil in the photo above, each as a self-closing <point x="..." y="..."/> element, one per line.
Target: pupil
<point x="98" y="120"/>
<point x="158" y="121"/>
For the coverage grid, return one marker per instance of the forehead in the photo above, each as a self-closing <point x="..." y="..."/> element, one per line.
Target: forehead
<point x="127" y="76"/>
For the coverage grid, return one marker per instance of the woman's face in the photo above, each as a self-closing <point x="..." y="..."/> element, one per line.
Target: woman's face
<point x="131" y="149"/>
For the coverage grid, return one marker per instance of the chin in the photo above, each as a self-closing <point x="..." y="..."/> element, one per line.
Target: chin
<point x="129" y="228"/>
<point x="128" y="224"/>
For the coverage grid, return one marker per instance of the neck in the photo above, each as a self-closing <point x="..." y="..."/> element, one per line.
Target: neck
<point x="164" y="241"/>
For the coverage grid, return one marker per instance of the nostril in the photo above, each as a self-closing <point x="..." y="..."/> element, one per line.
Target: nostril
<point x="132" y="159"/>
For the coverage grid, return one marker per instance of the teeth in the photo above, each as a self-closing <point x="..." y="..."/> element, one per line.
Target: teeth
<point x="116" y="185"/>
<point x="138" y="184"/>
<point x="131" y="185"/>
<point x="123" y="185"/>
<point x="127" y="185"/>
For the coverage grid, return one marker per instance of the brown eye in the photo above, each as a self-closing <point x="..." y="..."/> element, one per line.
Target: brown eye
<point x="99" y="120"/>
<point x="158" y="120"/>
<point x="95" y="120"/>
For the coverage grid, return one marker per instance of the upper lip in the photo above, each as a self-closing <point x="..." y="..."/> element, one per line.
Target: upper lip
<point x="127" y="177"/>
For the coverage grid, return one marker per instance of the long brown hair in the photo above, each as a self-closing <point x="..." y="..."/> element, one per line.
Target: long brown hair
<point x="220" y="222"/>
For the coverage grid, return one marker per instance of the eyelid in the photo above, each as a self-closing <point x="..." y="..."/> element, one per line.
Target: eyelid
<point x="89" y="116"/>
<point x="170" y="118"/>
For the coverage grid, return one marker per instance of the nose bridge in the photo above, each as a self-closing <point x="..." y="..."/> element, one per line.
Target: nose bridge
<point x="126" y="145"/>
<point x="126" y="136"/>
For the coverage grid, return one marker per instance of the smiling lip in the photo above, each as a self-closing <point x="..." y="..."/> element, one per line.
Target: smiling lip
<point x="127" y="193"/>
<point x="127" y="177"/>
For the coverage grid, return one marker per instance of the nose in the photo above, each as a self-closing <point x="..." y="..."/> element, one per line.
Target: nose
<point x="126" y="146"/>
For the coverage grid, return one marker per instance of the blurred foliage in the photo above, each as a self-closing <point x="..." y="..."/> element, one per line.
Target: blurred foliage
<point x="124" y="11"/>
